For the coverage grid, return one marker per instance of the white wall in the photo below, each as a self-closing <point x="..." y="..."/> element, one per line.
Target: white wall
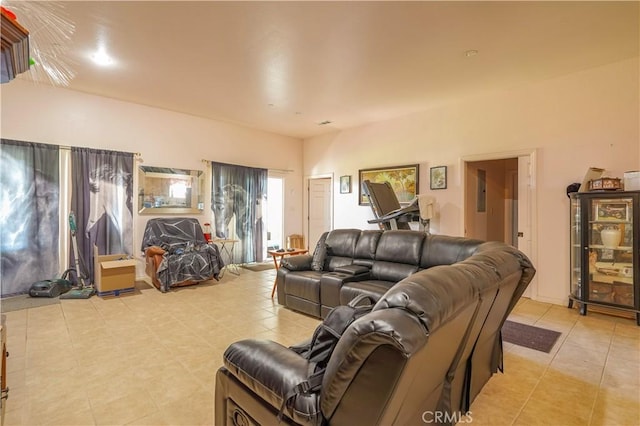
<point x="580" y="120"/>
<point x="40" y="113"/>
<point x="590" y="118"/>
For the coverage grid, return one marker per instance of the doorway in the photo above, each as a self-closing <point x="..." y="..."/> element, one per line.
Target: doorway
<point x="500" y="201"/>
<point x="491" y="200"/>
<point x="320" y="216"/>
<point x="275" y="214"/>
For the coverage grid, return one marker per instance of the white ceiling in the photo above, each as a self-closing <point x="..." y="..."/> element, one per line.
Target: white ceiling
<point x="284" y="67"/>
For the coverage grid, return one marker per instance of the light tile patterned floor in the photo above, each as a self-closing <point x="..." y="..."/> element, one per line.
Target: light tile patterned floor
<point x="150" y="359"/>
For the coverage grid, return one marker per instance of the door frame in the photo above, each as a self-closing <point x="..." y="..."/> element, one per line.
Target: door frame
<point x="305" y="202"/>
<point x="532" y="155"/>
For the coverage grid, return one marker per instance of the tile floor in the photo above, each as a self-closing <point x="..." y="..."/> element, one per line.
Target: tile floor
<point x="150" y="359"/>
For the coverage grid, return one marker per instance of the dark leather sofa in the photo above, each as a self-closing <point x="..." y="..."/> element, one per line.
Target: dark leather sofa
<point x="420" y="356"/>
<point x="349" y="262"/>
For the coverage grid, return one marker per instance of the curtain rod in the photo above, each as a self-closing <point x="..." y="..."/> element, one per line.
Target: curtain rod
<point x="137" y="154"/>
<point x="242" y="165"/>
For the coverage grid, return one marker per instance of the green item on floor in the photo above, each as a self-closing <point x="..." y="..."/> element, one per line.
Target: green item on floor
<point x="79" y="293"/>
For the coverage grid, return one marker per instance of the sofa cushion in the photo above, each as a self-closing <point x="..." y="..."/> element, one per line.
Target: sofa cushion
<point x="397" y="255"/>
<point x="366" y="247"/>
<point x="372" y="288"/>
<point x="390" y="271"/>
<point x="342" y="242"/>
<point x="400" y="247"/>
<point x="445" y="250"/>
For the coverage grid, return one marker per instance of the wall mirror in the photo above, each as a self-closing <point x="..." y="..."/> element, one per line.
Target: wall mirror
<point x="165" y="190"/>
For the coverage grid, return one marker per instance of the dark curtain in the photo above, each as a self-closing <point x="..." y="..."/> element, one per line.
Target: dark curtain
<point x="238" y="195"/>
<point x="101" y="188"/>
<point x="29" y="236"/>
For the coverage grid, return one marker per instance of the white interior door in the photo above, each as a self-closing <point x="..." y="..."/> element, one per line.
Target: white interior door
<point x="320" y="218"/>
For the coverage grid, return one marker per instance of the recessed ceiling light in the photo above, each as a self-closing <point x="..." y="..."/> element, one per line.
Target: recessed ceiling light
<point x="470" y="53"/>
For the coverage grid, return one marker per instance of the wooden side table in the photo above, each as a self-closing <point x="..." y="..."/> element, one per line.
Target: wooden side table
<point x="277" y="260"/>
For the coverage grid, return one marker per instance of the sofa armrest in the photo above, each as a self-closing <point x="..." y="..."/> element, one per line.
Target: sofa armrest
<point x="332" y="282"/>
<point x="301" y="262"/>
<point x="271" y="371"/>
<point x="153" y="250"/>
<point x="153" y="256"/>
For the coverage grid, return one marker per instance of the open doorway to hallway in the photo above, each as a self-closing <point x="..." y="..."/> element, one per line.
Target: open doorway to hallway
<point x="491" y="200"/>
<point x="500" y="201"/>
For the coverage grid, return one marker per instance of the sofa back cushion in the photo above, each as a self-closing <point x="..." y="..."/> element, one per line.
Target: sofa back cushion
<point x="341" y="247"/>
<point x="397" y="255"/>
<point x="446" y="250"/>
<point x="366" y="247"/>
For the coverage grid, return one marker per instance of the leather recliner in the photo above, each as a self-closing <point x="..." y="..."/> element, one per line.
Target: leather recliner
<point x="427" y="347"/>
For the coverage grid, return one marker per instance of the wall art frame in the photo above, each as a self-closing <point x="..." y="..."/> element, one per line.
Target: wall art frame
<point x="345" y="184"/>
<point x="403" y="179"/>
<point x="438" y="177"/>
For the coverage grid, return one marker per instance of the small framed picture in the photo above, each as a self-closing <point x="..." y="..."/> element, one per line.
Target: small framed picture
<point x="345" y="184"/>
<point x="438" y="177"/>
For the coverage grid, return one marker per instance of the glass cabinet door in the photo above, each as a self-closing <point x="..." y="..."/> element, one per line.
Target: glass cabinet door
<point x="610" y="248"/>
<point x="576" y="248"/>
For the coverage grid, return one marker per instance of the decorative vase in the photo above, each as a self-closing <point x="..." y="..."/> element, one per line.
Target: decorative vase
<point x="610" y="237"/>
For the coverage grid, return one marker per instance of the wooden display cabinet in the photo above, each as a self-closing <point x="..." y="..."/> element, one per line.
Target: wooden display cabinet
<point x="605" y="251"/>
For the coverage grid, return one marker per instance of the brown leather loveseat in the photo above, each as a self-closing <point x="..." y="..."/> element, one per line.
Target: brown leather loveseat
<point x="420" y="356"/>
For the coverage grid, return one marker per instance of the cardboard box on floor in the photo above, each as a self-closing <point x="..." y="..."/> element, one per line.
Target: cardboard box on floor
<point x="114" y="273"/>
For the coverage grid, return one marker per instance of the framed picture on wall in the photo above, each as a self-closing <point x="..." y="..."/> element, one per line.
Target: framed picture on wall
<point x="345" y="184"/>
<point x="403" y="180"/>
<point x="438" y="177"/>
